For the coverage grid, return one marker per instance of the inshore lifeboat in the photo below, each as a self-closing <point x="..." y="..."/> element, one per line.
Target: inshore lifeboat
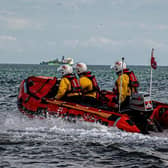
<point x="35" y="99"/>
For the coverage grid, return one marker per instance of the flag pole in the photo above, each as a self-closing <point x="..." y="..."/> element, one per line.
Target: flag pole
<point x="119" y="108"/>
<point x="150" y="91"/>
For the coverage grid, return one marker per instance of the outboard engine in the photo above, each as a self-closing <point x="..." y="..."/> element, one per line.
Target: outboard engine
<point x="141" y="102"/>
<point x="141" y="107"/>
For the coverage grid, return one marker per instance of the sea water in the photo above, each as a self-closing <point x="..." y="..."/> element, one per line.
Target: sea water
<point x="52" y="143"/>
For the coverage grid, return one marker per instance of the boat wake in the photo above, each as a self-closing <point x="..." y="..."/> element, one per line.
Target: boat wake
<point x="81" y="129"/>
<point x="81" y="138"/>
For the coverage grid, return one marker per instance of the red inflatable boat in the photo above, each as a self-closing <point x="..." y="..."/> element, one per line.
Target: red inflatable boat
<point x="35" y="99"/>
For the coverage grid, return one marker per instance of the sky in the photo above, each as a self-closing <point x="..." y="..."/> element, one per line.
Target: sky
<point x="97" y="32"/>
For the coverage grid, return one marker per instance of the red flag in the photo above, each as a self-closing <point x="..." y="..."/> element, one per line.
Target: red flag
<point x="153" y="62"/>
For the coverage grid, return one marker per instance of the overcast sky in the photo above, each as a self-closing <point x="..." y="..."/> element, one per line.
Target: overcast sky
<point x="91" y="31"/>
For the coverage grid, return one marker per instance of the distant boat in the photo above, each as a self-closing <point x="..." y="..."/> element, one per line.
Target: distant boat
<point x="58" y="62"/>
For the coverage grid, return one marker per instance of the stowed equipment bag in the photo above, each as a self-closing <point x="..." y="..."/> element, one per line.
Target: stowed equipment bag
<point x="41" y="86"/>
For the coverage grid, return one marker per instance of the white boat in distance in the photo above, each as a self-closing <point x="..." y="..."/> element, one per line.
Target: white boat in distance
<point x="56" y="61"/>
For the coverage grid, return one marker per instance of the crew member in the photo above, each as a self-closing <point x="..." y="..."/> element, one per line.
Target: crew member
<point x="69" y="88"/>
<point x="90" y="88"/>
<point x="125" y="85"/>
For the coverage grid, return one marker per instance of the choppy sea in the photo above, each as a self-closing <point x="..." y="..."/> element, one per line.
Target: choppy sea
<point x="52" y="143"/>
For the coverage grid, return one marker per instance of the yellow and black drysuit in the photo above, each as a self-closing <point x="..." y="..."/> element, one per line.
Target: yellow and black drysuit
<point x="69" y="89"/>
<point x="129" y="85"/>
<point x="90" y="88"/>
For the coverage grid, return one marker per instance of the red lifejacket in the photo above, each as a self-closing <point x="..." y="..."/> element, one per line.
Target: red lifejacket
<point x="93" y="79"/>
<point x="75" y="86"/>
<point x="133" y="81"/>
<point x="94" y="83"/>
